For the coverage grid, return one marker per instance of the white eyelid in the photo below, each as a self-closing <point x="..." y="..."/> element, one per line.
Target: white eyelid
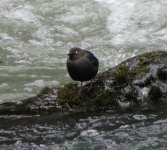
<point x="76" y="52"/>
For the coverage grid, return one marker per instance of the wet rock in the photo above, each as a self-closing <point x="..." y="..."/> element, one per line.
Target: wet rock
<point x="42" y="103"/>
<point x="155" y="93"/>
<point x="140" y="80"/>
<point x="162" y="73"/>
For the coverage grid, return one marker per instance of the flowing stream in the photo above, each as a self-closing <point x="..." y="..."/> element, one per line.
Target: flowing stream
<point x="135" y="129"/>
<point x="35" y="36"/>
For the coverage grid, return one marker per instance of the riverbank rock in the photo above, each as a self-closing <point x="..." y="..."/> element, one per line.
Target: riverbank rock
<point x="140" y="80"/>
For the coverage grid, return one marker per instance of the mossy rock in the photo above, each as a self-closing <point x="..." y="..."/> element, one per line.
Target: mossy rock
<point x="136" y="81"/>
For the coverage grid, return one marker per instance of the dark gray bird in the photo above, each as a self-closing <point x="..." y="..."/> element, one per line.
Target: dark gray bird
<point x="81" y="64"/>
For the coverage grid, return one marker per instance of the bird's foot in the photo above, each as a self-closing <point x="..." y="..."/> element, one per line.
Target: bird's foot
<point x="90" y="87"/>
<point x="68" y="106"/>
<point x="85" y="87"/>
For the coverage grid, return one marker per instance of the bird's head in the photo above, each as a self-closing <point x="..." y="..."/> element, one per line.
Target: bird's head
<point x="74" y="53"/>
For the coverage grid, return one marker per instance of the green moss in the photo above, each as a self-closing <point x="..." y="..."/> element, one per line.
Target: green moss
<point x="104" y="98"/>
<point x="103" y="76"/>
<point x="78" y="99"/>
<point x="163" y="57"/>
<point x="143" y="62"/>
<point x="142" y="66"/>
<point x="121" y="75"/>
<point x="45" y="90"/>
<point x="68" y="92"/>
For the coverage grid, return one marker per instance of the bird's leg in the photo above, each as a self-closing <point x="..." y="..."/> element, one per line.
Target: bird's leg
<point x="90" y="86"/>
<point x="68" y="106"/>
<point x="80" y="89"/>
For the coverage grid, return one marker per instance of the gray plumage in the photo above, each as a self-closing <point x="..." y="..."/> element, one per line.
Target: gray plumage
<point x="81" y="64"/>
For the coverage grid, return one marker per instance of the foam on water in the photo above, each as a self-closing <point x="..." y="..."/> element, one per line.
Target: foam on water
<point x="137" y="24"/>
<point x="39" y="84"/>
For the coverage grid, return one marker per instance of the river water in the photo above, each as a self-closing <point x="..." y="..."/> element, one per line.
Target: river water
<point x="135" y="129"/>
<point x="35" y="36"/>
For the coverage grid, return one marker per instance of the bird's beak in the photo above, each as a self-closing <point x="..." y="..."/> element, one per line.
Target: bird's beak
<point x="70" y="54"/>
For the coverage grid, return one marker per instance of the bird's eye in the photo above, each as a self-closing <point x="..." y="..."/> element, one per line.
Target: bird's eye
<point x="76" y="52"/>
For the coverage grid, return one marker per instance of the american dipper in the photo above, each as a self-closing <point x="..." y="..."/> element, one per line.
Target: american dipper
<point x="81" y="64"/>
